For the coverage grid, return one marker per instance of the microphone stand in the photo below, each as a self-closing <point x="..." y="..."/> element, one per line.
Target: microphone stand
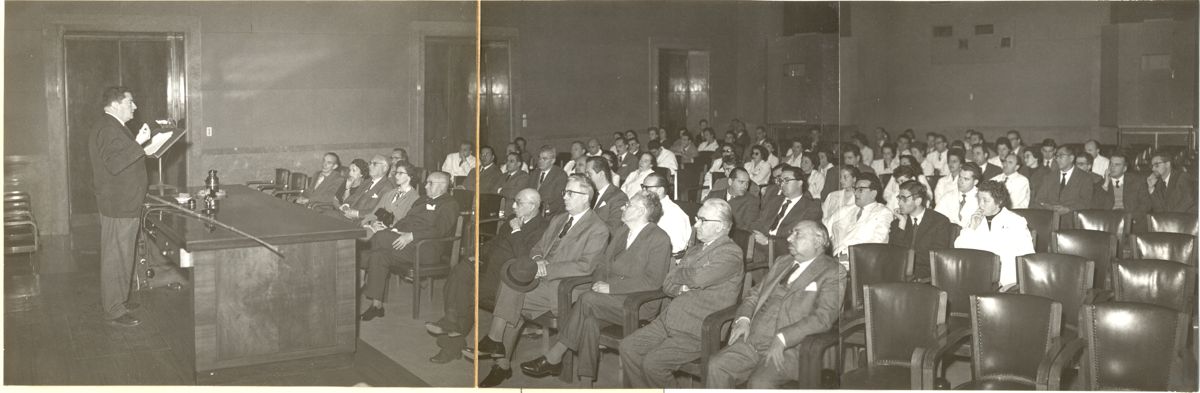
<point x="164" y="206"/>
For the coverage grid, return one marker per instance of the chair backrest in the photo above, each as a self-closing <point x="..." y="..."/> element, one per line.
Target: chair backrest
<point x="1169" y="246"/>
<point x="299" y="181"/>
<point x="962" y="273"/>
<point x="465" y="199"/>
<point x="1165" y="283"/>
<point x="689" y="208"/>
<point x="877" y="263"/>
<point x="1065" y="278"/>
<point x="1112" y="221"/>
<point x="561" y="159"/>
<point x="1096" y="246"/>
<point x="901" y="317"/>
<point x="1043" y="222"/>
<point x="282" y="177"/>
<point x="1172" y="222"/>
<point x="704" y="159"/>
<point x="1130" y="346"/>
<point x="490" y="205"/>
<point x="691" y="175"/>
<point x="1012" y="333"/>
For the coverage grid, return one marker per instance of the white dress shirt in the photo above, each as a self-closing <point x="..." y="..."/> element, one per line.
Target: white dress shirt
<point x="1008" y="237"/>
<point x="834" y="203"/>
<point x="1100" y="165"/>
<point x="634" y="183"/>
<point x="949" y="206"/>
<point x="877" y="165"/>
<point x="937" y="161"/>
<point x="666" y="159"/>
<point x="850" y="228"/>
<point x="676" y="223"/>
<point x="947" y="184"/>
<point x="1018" y="188"/>
<point x="455" y="165"/>
<point x="791" y="204"/>
<point x="816" y="183"/>
<point x="633" y="233"/>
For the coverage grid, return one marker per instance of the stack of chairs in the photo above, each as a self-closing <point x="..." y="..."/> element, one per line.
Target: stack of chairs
<point x="21" y="236"/>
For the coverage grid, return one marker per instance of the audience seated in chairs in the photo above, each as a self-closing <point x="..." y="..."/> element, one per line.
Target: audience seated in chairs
<point x="571" y="246"/>
<point x="1171" y="191"/>
<point x="801" y="296"/>
<point x="636" y="260"/>
<point x="1065" y="188"/>
<point x="434" y="216"/>
<point x="327" y="183"/>
<point x="1012" y="179"/>
<point x="633" y="181"/>
<point x="744" y="205"/>
<point x="707" y="279"/>
<point x="396" y="203"/>
<point x="609" y="199"/>
<point x="843" y="196"/>
<point x="917" y="227"/>
<point x="992" y="227"/>
<point x="354" y="185"/>
<point x="959" y="204"/>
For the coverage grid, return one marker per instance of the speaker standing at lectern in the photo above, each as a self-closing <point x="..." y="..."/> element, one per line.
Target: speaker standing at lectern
<point x="119" y="175"/>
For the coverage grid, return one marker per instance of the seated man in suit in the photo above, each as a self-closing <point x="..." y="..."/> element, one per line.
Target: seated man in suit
<point x="801" y="296"/>
<point x="779" y="215"/>
<point x="1171" y="191"/>
<point x="571" y="246"/>
<point x="980" y="156"/>
<point x="609" y="198"/>
<point x="1123" y="190"/>
<point x="674" y="220"/>
<point x="515" y="179"/>
<point x="326" y="184"/>
<point x="917" y="227"/>
<point x="866" y="222"/>
<point x="1066" y="188"/>
<point x="1016" y="183"/>
<point x="959" y="204"/>
<point x="432" y="216"/>
<point x="628" y="161"/>
<point x="550" y="180"/>
<point x="378" y="170"/>
<point x="744" y="205"/>
<point x="706" y="280"/>
<point x="636" y="260"/>
<point x="490" y="176"/>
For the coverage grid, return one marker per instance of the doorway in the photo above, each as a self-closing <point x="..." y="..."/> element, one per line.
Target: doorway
<point x="449" y="98"/>
<point x="495" y="96"/>
<point x="149" y="64"/>
<point x="683" y="90"/>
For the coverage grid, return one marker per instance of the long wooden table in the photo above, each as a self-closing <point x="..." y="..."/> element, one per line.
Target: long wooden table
<point x="249" y="305"/>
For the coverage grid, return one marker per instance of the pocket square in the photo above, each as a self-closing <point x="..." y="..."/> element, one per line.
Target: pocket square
<point x="374" y="196"/>
<point x="430" y="207"/>
<point x="812" y="287"/>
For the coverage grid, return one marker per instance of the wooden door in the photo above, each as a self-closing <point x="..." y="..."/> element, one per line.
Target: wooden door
<point x="449" y="97"/>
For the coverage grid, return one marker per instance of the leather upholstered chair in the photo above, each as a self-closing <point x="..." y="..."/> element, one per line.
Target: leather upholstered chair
<point x="281" y="181"/>
<point x="1184" y="223"/>
<point x="903" y="322"/>
<point x="1066" y="279"/>
<point x="1015" y="339"/>
<point x="870" y="264"/>
<point x="1118" y="222"/>
<point x="1130" y="346"/>
<point x="1096" y="246"/>
<point x="1165" y="283"/>
<point x="1042" y="221"/>
<point x="1169" y="246"/>
<point x="962" y="273"/>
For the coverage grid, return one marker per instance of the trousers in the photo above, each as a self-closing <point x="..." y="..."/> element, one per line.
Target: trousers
<point x="118" y="240"/>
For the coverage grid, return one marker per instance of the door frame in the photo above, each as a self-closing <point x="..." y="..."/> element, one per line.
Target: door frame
<point x="655" y="44"/>
<point x="508" y="35"/>
<point x="54" y="73"/>
<point x="424" y="31"/>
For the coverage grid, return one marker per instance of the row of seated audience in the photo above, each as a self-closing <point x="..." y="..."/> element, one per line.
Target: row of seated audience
<point x="633" y="236"/>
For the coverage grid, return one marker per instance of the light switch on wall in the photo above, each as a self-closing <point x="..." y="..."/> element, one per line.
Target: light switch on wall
<point x="207" y="131"/>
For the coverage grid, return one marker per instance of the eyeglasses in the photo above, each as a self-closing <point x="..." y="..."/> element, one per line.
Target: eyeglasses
<point x="566" y="192"/>
<point x="782" y="180"/>
<point x="702" y="220"/>
<point x="904" y="198"/>
<point x="862" y="188"/>
<point x="646" y="187"/>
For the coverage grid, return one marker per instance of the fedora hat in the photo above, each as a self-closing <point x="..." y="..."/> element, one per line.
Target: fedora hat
<point x="520" y="274"/>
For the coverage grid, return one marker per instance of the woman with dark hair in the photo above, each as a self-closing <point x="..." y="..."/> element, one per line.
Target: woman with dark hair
<point x="708" y="141"/>
<point x="995" y="229"/>
<point x="864" y="148"/>
<point x="772" y="154"/>
<point x="355" y="186"/>
<point x="394" y="204"/>
<point x="813" y="176"/>
<point x="633" y="184"/>
<point x="841" y="198"/>
<point x="759" y="168"/>
<point x="612" y="163"/>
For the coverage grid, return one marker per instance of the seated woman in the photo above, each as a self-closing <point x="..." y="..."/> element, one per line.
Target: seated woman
<point x="996" y="229"/>
<point x="376" y="185"/>
<point x="351" y="189"/>
<point x="395" y="203"/>
<point x="814" y="177"/>
<point x="645" y="167"/>
<point x="901" y="174"/>
<point x="759" y="168"/>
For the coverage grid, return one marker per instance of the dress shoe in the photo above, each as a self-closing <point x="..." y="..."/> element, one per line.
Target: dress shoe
<point x="469" y="353"/>
<point x="495" y="377"/>
<point x="125" y="320"/>
<point x="434" y="329"/>
<point x="445" y="356"/>
<point x="372" y="313"/>
<point x="130" y="306"/>
<point x="490" y="349"/>
<point x="541" y="367"/>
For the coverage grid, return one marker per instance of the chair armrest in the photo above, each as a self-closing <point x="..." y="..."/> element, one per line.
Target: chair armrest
<point x="633" y="306"/>
<point x="1070" y="352"/>
<point x="946" y="345"/>
<point x="1047" y="362"/>
<point x="1098" y="295"/>
<point x="710" y="335"/>
<point x="287" y="192"/>
<point x="258" y="183"/>
<point x="918" y="380"/>
<point x="565" y="287"/>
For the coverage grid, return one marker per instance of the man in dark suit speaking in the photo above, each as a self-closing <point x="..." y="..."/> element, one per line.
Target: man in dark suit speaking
<point x="119" y="175"/>
<point x="801" y="296"/>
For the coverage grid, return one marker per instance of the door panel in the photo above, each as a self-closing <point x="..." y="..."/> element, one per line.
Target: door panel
<point x="495" y="119"/>
<point x="91" y="66"/>
<point x="449" y="97"/>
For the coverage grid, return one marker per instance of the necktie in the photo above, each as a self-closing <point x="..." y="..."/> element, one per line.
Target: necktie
<point x="597" y="203"/>
<point x="961" y="204"/>
<point x="567" y="227"/>
<point x="912" y="232"/>
<point x="541" y="180"/>
<point x="788" y="274"/>
<point x="1063" y="183"/>
<point x="858" y="216"/>
<point x="1116" y="184"/>
<point x="1162" y="184"/>
<point x="779" y="216"/>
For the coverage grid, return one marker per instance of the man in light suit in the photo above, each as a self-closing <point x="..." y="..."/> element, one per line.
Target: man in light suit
<point x="932" y="229"/>
<point x="1171" y="191"/>
<point x="459" y="163"/>
<point x="1123" y="190"/>
<point x="636" y="260"/>
<point x="707" y="279"/>
<point x="959" y="205"/>
<point x="550" y="180"/>
<point x="609" y="198"/>
<point x="801" y="296"/>
<point x="1065" y="189"/>
<point x="571" y="246"/>
<point x="866" y="223"/>
<point x="326" y="184"/>
<point x="779" y="215"/>
<point x="744" y="205"/>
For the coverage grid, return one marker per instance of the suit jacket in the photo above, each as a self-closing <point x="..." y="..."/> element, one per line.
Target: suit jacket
<point x="513" y="183"/>
<point x="713" y="275"/>
<point x="641" y="267"/>
<point x="804" y="312"/>
<point x="429" y="218"/>
<point x="329" y="189"/>
<point x="118" y="169"/>
<point x="1076" y="195"/>
<point x="629" y="163"/>
<point x="608" y="207"/>
<point x="578" y="252"/>
<point x="1179" y="195"/>
<point x="393" y="202"/>
<point x="490" y="179"/>
<point x="505" y="246"/>
<point x="849" y="228"/>
<point x="1134" y="195"/>
<point x="368" y="201"/>
<point x="805" y="209"/>
<point x="990" y="170"/>
<point x="932" y="233"/>
<point x="551" y="189"/>
<point x="745" y="207"/>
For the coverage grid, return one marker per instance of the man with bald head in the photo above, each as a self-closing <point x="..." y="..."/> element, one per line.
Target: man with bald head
<point x="432" y="215"/>
<point x="673" y="220"/>
<point x="706" y="280"/>
<point x="515" y="238"/>
<point x="801" y="296"/>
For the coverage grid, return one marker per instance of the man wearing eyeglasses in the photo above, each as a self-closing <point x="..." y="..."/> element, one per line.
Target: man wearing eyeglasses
<point x="571" y="246"/>
<point x="1170" y="191"/>
<point x="918" y="228"/>
<point x="779" y="215"/>
<point x="380" y="185"/>
<point x="706" y="280"/>
<point x="801" y="296"/>
<point x="431" y="216"/>
<point x="866" y="222"/>
<point x="550" y="180"/>
<point x="1066" y="189"/>
<point x="674" y="220"/>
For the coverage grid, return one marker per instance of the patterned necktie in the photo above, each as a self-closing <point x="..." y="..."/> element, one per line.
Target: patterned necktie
<point x="961" y="204"/>
<point x="567" y="227"/>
